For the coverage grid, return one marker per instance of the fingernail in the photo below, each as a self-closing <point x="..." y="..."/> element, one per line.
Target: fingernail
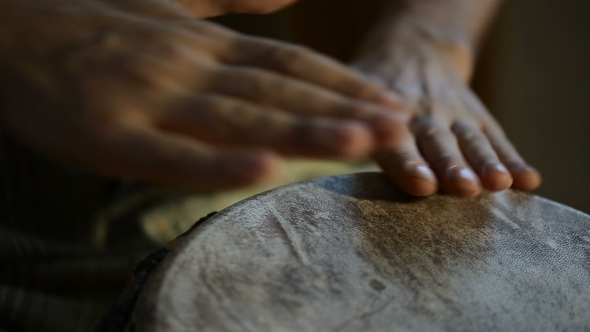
<point x="462" y="174"/>
<point x="494" y="167"/>
<point x="421" y="171"/>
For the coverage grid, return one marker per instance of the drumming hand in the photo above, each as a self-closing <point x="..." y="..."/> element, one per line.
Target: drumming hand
<point x="202" y="8"/>
<point x="175" y="101"/>
<point x="449" y="131"/>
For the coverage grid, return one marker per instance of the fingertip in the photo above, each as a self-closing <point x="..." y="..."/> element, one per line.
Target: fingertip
<point x="526" y="178"/>
<point x="251" y="167"/>
<point x="462" y="182"/>
<point x="495" y="177"/>
<point x="465" y="190"/>
<point x="418" y="180"/>
<point x="404" y="166"/>
<point x="262" y="166"/>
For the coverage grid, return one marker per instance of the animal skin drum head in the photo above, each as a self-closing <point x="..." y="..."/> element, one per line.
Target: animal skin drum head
<point x="353" y="253"/>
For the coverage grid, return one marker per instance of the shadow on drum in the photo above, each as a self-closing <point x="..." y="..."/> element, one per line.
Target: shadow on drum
<point x="415" y="234"/>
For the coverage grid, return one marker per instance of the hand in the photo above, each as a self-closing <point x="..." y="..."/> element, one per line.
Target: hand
<point x="452" y="141"/>
<point x="217" y="7"/>
<point x="176" y="101"/>
<point x="201" y="8"/>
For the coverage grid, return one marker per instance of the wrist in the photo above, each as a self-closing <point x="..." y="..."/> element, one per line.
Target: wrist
<point x="410" y="32"/>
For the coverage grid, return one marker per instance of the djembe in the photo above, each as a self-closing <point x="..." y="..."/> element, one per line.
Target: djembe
<point x="353" y="253"/>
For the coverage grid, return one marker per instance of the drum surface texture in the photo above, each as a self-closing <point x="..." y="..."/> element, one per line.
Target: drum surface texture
<point x="353" y="253"/>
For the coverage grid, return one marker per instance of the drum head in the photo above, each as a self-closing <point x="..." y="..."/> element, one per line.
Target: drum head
<point x="352" y="253"/>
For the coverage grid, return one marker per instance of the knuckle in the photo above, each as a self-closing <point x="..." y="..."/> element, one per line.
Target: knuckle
<point x="233" y="121"/>
<point x="462" y="127"/>
<point x="359" y="110"/>
<point x="263" y="83"/>
<point x="398" y="124"/>
<point x="229" y="108"/>
<point x="446" y="161"/>
<point x="170" y="46"/>
<point x="482" y="160"/>
<point x="435" y="132"/>
<point x="466" y="134"/>
<point x="421" y="122"/>
<point x="304" y="129"/>
<point x="170" y="51"/>
<point x="148" y="77"/>
<point x="360" y="88"/>
<point x="355" y="108"/>
<point x="291" y="56"/>
<point x="209" y="104"/>
<point x="246" y="120"/>
<point x="403" y="156"/>
<point x="212" y="30"/>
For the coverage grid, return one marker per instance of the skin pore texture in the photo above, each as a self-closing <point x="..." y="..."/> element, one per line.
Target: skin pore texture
<point x="143" y="89"/>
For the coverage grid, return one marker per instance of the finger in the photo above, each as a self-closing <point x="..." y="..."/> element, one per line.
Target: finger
<point x="525" y="177"/>
<point x="481" y="156"/>
<point x="147" y="154"/>
<point x="307" y="65"/>
<point x="162" y="9"/>
<point x="404" y="165"/>
<point x="236" y="123"/>
<point x="298" y="97"/>
<point x="439" y="147"/>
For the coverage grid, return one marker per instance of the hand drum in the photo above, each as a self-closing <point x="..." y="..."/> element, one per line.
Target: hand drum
<point x="352" y="253"/>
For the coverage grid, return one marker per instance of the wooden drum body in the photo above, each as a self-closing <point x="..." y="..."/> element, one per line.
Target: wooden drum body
<point x="352" y="253"/>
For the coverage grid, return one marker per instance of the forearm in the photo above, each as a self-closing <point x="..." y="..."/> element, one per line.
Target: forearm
<point x="461" y="20"/>
<point x="455" y="27"/>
